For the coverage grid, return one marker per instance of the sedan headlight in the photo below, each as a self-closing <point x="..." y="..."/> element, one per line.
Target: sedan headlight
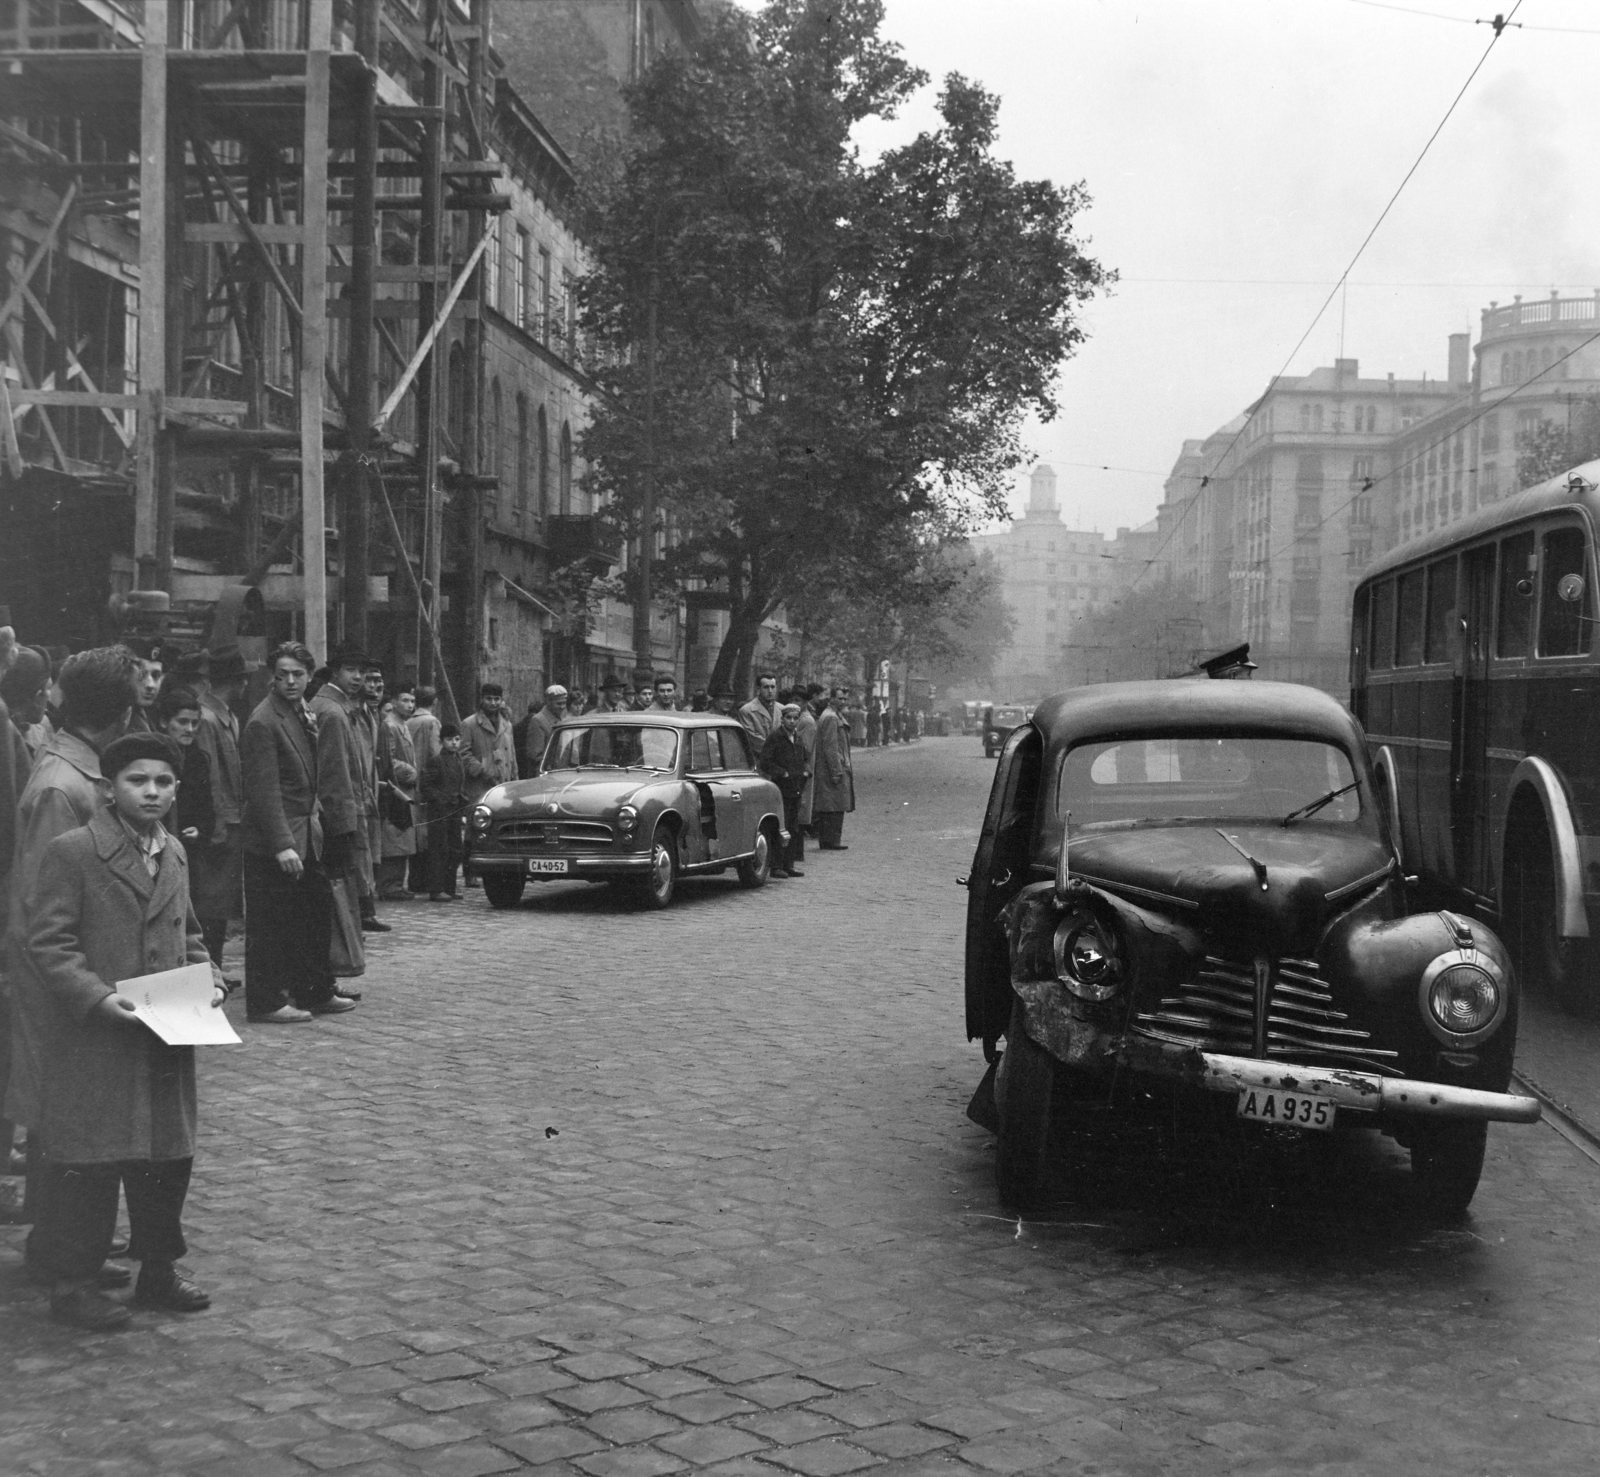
<point x="1086" y="959"/>
<point x="627" y="819"/>
<point x="480" y="820"/>
<point x="1463" y="997"/>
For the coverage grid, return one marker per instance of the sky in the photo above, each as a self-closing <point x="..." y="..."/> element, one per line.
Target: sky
<point x="1237" y="153"/>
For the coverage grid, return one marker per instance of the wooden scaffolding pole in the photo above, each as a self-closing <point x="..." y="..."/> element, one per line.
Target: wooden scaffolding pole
<point x="313" y="326"/>
<point x="153" y="160"/>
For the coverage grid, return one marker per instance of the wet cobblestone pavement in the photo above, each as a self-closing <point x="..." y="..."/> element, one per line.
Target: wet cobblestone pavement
<point x="580" y="1189"/>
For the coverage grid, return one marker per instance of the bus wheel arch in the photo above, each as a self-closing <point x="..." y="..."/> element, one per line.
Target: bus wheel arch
<point x="1541" y="889"/>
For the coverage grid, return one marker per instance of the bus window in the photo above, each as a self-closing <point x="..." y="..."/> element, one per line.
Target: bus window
<point x="1383" y="625"/>
<point x="1566" y="600"/>
<point x="1516" y="596"/>
<point x="1408" y="644"/>
<point x="1443" y="618"/>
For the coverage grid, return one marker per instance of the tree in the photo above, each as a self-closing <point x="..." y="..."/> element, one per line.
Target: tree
<point x="1551" y="449"/>
<point x="1158" y="631"/>
<point x="815" y="366"/>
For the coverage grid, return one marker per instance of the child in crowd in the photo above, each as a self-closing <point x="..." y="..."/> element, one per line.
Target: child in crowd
<point x="195" y="816"/>
<point x="444" y="796"/>
<point x="111" y="903"/>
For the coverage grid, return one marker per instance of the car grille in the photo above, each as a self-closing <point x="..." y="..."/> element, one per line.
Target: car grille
<point x="531" y="835"/>
<point x="1295" y="1021"/>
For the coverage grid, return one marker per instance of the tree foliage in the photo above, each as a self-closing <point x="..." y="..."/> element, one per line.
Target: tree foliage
<point x="1550" y="448"/>
<point x="844" y="353"/>
<point x="1156" y="631"/>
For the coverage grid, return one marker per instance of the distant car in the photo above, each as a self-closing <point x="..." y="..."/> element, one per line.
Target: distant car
<point x="639" y="798"/>
<point x="1193" y="885"/>
<point x="998" y="725"/>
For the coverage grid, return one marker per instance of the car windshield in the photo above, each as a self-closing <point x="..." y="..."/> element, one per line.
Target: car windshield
<point x="1014" y="716"/>
<point x="1124" y="783"/>
<point x="612" y="746"/>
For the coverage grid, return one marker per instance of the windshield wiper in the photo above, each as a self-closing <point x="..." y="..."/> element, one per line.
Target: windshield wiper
<point x="1258" y="867"/>
<point x="1319" y="802"/>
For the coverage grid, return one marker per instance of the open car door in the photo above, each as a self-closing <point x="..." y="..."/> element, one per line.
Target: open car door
<point x="999" y="871"/>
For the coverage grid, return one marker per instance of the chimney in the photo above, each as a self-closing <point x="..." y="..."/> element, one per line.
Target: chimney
<point x="1460" y="359"/>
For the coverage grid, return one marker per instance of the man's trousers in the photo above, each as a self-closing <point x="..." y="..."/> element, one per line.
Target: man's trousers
<point x="288" y="928"/>
<point x="77" y="1217"/>
<point x="830" y="827"/>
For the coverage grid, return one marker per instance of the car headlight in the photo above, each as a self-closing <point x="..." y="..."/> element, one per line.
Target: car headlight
<point x="1463" y="997"/>
<point x="480" y="819"/>
<point x="1086" y="959"/>
<point x="627" y="819"/>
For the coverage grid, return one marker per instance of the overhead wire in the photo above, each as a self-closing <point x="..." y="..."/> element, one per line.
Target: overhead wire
<point x="1463" y="20"/>
<point x="1366" y="240"/>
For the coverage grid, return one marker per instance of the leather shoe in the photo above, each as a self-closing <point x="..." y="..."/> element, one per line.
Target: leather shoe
<point x="83" y="1307"/>
<point x="335" y="1005"/>
<point x="840" y="846"/>
<point x="162" y="1285"/>
<point x="796" y="872"/>
<point x="347" y="994"/>
<point x="371" y="925"/>
<point x="284" y="1015"/>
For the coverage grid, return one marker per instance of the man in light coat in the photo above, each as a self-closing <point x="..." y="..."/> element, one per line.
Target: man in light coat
<point x="761" y="715"/>
<point x="345" y="789"/>
<point x="489" y="755"/>
<point x="810" y="699"/>
<point x="423" y="726"/>
<point x="835" y="788"/>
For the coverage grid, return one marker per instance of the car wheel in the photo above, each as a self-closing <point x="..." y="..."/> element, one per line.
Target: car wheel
<point x="503" y="889"/>
<point x="1446" y="1164"/>
<point x="757" y="867"/>
<point x="1024" y="1086"/>
<point x="660" y="883"/>
<point x="1562" y="968"/>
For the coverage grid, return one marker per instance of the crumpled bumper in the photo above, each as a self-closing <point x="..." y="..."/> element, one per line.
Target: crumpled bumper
<point x="1362" y="1092"/>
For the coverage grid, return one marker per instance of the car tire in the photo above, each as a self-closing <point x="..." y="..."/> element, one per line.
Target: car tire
<point x="1024" y="1087"/>
<point x="503" y="889"/>
<point x="659" y="885"/>
<point x="1446" y="1164"/>
<point x="757" y="867"/>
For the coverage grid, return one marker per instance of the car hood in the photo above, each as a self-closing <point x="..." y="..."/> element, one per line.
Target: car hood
<point x="572" y="792"/>
<point x="1206" y="878"/>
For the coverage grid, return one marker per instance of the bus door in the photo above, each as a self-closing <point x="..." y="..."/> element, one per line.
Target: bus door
<point x="1469" y="737"/>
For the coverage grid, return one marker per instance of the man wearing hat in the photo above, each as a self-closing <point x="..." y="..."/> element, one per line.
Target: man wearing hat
<point x="611" y="699"/>
<point x="541" y="725"/>
<point x="722" y="698"/>
<point x="345" y="790"/>
<point x="217" y="888"/>
<point x="149" y="655"/>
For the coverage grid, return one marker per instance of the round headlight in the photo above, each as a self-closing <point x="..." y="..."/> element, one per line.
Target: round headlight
<point x="627" y="818"/>
<point x="480" y="818"/>
<point x="1463" y="996"/>
<point x="1085" y="961"/>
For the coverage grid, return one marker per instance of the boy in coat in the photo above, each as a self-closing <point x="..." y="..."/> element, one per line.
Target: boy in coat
<point x="785" y="763"/>
<point x="444" y="799"/>
<point x="117" y="1111"/>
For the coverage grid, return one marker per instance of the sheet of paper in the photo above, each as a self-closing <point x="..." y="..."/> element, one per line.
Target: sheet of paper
<point x="176" y="1005"/>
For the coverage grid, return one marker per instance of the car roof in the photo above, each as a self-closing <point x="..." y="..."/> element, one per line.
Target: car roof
<point x="1194" y="705"/>
<point x="655" y="718"/>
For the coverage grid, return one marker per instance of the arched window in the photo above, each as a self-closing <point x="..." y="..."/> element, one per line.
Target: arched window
<point x="566" y="467"/>
<point x="1546" y="357"/>
<point x="1516" y="368"/>
<point x="541" y="451"/>
<point x="492" y="450"/>
<point x="523" y="449"/>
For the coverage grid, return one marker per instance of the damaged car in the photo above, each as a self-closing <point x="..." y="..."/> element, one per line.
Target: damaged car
<point x="1190" y="887"/>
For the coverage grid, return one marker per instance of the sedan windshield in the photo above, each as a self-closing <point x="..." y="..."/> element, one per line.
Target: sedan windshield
<point x="612" y="746"/>
<point x="1171" y="781"/>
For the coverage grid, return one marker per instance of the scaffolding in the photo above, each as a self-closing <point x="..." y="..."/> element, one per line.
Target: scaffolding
<point x="306" y="194"/>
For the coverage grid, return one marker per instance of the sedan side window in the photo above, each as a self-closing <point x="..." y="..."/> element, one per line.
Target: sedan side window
<point x="700" y="750"/>
<point x="736" y="748"/>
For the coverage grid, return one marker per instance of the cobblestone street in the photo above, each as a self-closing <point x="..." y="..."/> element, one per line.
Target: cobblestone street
<point x="583" y="1189"/>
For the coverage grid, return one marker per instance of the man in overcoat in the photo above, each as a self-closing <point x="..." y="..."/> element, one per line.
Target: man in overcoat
<point x="345" y="765"/>
<point x="541" y="724"/>
<point x="288" y="900"/>
<point x="217" y="893"/>
<point x="761" y="714"/>
<point x="117" y="1111"/>
<point x="835" y="792"/>
<point x="783" y="760"/>
<point x="487" y="748"/>
<point x="810" y="699"/>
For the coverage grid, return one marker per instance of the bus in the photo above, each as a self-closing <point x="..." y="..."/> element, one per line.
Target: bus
<point x="1473" y="668"/>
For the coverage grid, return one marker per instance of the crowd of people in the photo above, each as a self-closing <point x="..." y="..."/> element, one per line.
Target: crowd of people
<point x="145" y="809"/>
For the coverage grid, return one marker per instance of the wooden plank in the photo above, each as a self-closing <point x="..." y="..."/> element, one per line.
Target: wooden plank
<point x="340" y="272"/>
<point x="313" y="327"/>
<point x="204" y="405"/>
<point x="394" y="309"/>
<point x="152" y="276"/>
<point x="42" y="251"/>
<point x="89" y="398"/>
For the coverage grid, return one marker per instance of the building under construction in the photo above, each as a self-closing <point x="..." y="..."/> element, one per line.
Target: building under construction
<point x="291" y="343"/>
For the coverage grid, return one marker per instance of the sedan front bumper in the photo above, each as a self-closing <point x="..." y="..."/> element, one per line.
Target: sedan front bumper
<point x="577" y="866"/>
<point x="1362" y="1092"/>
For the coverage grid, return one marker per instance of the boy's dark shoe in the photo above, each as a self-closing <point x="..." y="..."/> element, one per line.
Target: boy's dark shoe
<point x="371" y="925"/>
<point x="345" y="994"/>
<point x="796" y="872"/>
<point x="83" y="1307"/>
<point x="162" y="1285"/>
<point x="335" y="1005"/>
<point x="284" y="1015"/>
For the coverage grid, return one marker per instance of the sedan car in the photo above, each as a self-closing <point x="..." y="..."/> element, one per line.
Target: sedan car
<point x="999" y="723"/>
<point x="639" y="798"/>
<point x="1190" y="887"/>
